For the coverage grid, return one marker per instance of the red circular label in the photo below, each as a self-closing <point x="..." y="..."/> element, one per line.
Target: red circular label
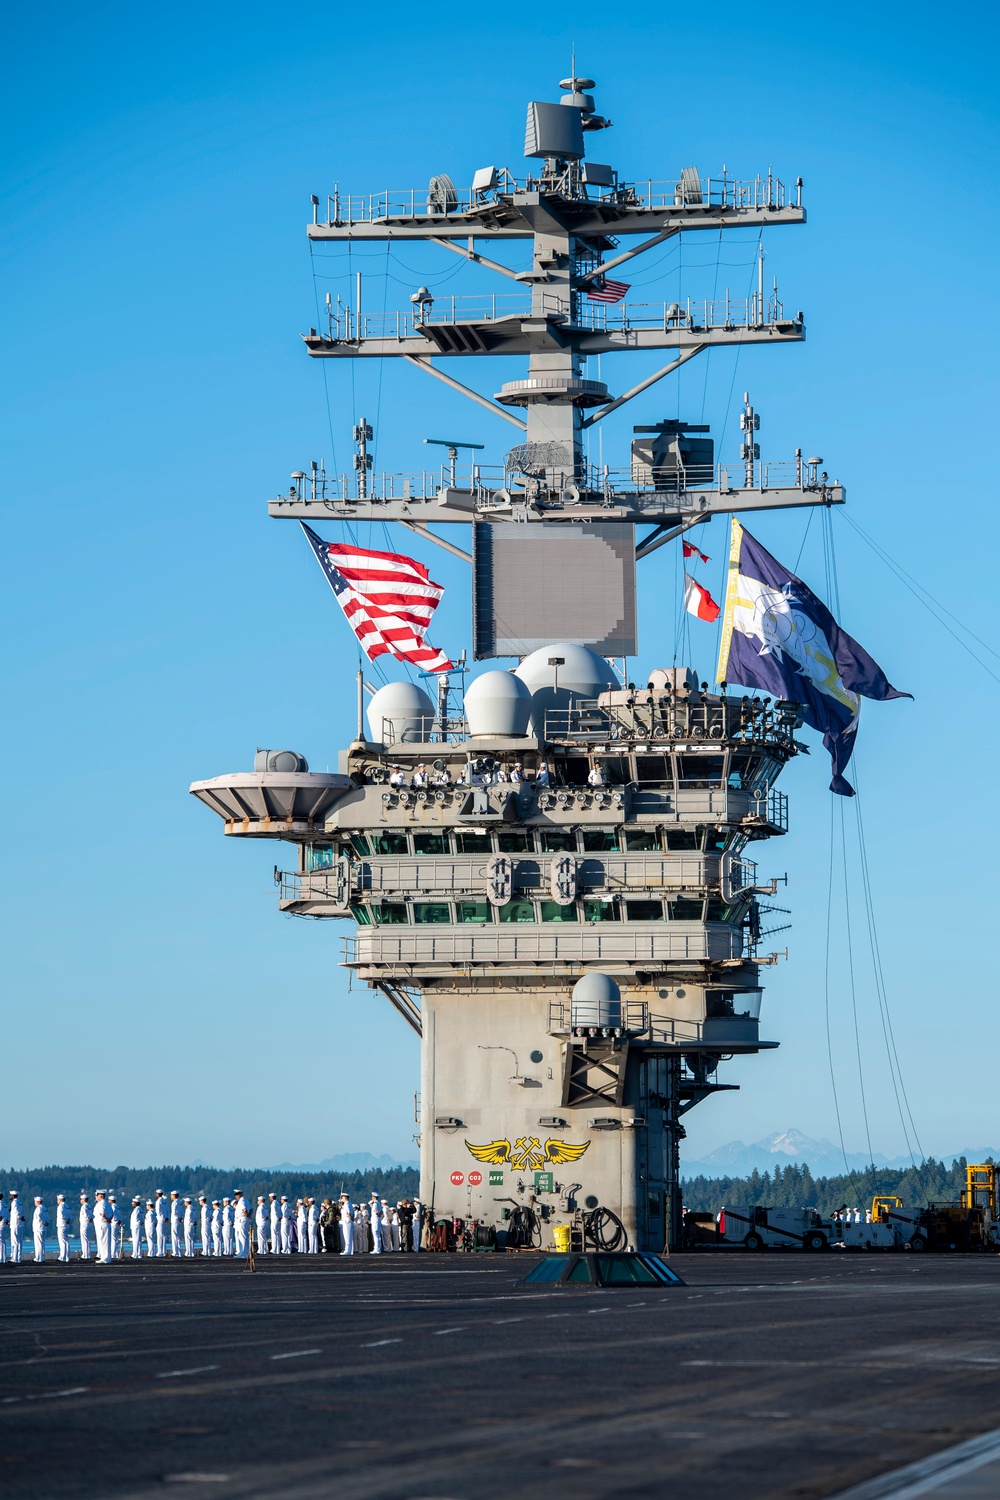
<point x="458" y="1178"/>
<point x="475" y="1178"/>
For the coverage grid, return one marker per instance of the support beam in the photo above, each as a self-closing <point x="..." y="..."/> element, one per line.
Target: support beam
<point x="619" y="260"/>
<point x="472" y="255"/>
<point x="429" y="536"/>
<point x="644" y="385"/>
<point x="654" y="539"/>
<point x="456" y="385"/>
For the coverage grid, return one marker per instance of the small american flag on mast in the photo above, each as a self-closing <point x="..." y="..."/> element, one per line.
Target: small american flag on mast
<point x="608" y="291"/>
<point x="388" y="600"/>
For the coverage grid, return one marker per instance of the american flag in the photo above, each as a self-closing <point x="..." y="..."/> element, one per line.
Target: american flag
<point x="388" y="600"/>
<point x="607" y="291"/>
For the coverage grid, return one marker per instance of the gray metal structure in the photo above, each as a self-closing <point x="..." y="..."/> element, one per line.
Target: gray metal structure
<point x="480" y="893"/>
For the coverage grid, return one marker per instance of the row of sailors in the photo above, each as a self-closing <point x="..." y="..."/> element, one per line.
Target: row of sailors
<point x="225" y="1227"/>
<point x="424" y="777"/>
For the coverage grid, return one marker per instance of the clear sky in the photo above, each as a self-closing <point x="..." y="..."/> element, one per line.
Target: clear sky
<point x="159" y="627"/>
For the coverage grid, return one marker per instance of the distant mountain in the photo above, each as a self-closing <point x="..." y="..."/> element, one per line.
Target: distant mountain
<point x="735" y="1159"/>
<point x="346" y="1161"/>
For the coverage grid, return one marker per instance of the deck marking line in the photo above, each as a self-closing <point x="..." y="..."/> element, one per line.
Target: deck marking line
<point x="928" y="1474"/>
<point x="439" y="1331"/>
<point x="297" y="1354"/>
<point x="173" y="1374"/>
<point x="379" y="1342"/>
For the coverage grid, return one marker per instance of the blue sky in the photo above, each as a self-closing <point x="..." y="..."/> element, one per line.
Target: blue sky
<point x="159" y="627"/>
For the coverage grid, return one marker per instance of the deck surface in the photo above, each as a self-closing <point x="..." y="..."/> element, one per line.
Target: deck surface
<point x="433" y="1377"/>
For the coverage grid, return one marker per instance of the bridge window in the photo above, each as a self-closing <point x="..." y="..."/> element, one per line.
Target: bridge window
<point x="517" y="911"/>
<point x="551" y="911"/>
<point x="599" y="911"/>
<point x="683" y="838"/>
<point x="362" y="915"/>
<point x="473" y="911"/>
<point x="557" y="841"/>
<point x="644" y="911"/>
<point x="514" y="841"/>
<point x="430" y="843"/>
<point x="390" y="914"/>
<point x="644" y="842"/>
<point x="472" y="843"/>
<point x="684" y="909"/>
<point x="431" y="911"/>
<point x="320" y="857"/>
<point x="601" y="841"/>
<point x="389" y="843"/>
<point x="699" y="770"/>
<point x="653" y="768"/>
<point x="360" y="845"/>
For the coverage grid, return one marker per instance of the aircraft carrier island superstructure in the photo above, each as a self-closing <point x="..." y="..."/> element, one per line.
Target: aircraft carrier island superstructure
<point x="550" y="881"/>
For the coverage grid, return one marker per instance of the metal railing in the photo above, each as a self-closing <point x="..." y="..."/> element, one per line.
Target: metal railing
<point x="574" y="944"/>
<point x="650" y="720"/>
<point x="740" y="194"/>
<point x="497" y="488"/>
<point x="634" y="1017"/>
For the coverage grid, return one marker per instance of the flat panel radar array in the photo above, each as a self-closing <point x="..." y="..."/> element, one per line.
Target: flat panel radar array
<point x="562" y="834"/>
<point x="574" y="583"/>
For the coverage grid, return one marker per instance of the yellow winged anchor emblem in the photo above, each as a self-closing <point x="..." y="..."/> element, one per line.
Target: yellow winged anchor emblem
<point x="527" y="1153"/>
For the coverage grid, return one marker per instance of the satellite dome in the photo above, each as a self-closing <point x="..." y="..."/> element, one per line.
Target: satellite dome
<point x="582" y="674"/>
<point x="400" y="711"/>
<point x="596" y="1001"/>
<point x="498" y="703"/>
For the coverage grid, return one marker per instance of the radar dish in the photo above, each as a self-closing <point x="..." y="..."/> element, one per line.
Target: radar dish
<point x="442" y="197"/>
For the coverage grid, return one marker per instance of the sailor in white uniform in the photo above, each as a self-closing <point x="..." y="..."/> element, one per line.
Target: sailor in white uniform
<point x="149" y="1225"/>
<point x="312" y="1216"/>
<point x="241" y="1224"/>
<point x="227" y="1227"/>
<point x="346" y="1225"/>
<point x="418" y="1222"/>
<point x="216" y="1227"/>
<point x="188" y="1229"/>
<point x="375" y="1217"/>
<point x="4" y="1230"/>
<point x="117" y="1227"/>
<point x="39" y="1229"/>
<point x="102" y="1228"/>
<point x="275" y="1223"/>
<point x="175" y="1223"/>
<point x="285" y="1211"/>
<point x="86" y="1224"/>
<point x="260" y="1225"/>
<point x="301" y="1218"/>
<point x="16" y="1229"/>
<point x="62" y="1227"/>
<point x="135" y="1228"/>
<point x="160" y="1214"/>
<point x="206" y="1241"/>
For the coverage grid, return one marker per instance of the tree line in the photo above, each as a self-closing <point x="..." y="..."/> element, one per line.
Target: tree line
<point x="392" y="1183"/>
<point x="794" y="1186"/>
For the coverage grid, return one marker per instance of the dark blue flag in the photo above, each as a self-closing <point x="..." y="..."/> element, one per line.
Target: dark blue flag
<point x="778" y="636"/>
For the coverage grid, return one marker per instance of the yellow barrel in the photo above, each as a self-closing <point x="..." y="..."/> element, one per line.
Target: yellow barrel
<point x="560" y="1233"/>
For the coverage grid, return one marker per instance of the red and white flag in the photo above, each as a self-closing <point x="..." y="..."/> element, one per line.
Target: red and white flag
<point x="388" y="600"/>
<point x="698" y="601"/>
<point x="690" y="550"/>
<point x="607" y="291"/>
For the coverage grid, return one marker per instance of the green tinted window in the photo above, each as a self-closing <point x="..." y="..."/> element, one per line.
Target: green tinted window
<point x="431" y="911"/>
<point x="615" y="1272"/>
<point x="580" y="1272"/>
<point x="682" y="838"/>
<point x="644" y="911"/>
<point x="360" y="844"/>
<point x="320" y="857"/>
<point x="516" y="911"/>
<point x="390" y="914"/>
<point x="558" y="841"/>
<point x="599" y="911"/>
<point x="473" y="911"/>
<point x="362" y="915"/>
<point x="549" y="1269"/>
<point x="643" y="842"/>
<point x="551" y="911"/>
<point x="684" y="910"/>
<point x="389" y="843"/>
<point x="430" y="843"/>
<point x="514" y="841"/>
<point x="472" y="843"/>
<point x="601" y="841"/>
